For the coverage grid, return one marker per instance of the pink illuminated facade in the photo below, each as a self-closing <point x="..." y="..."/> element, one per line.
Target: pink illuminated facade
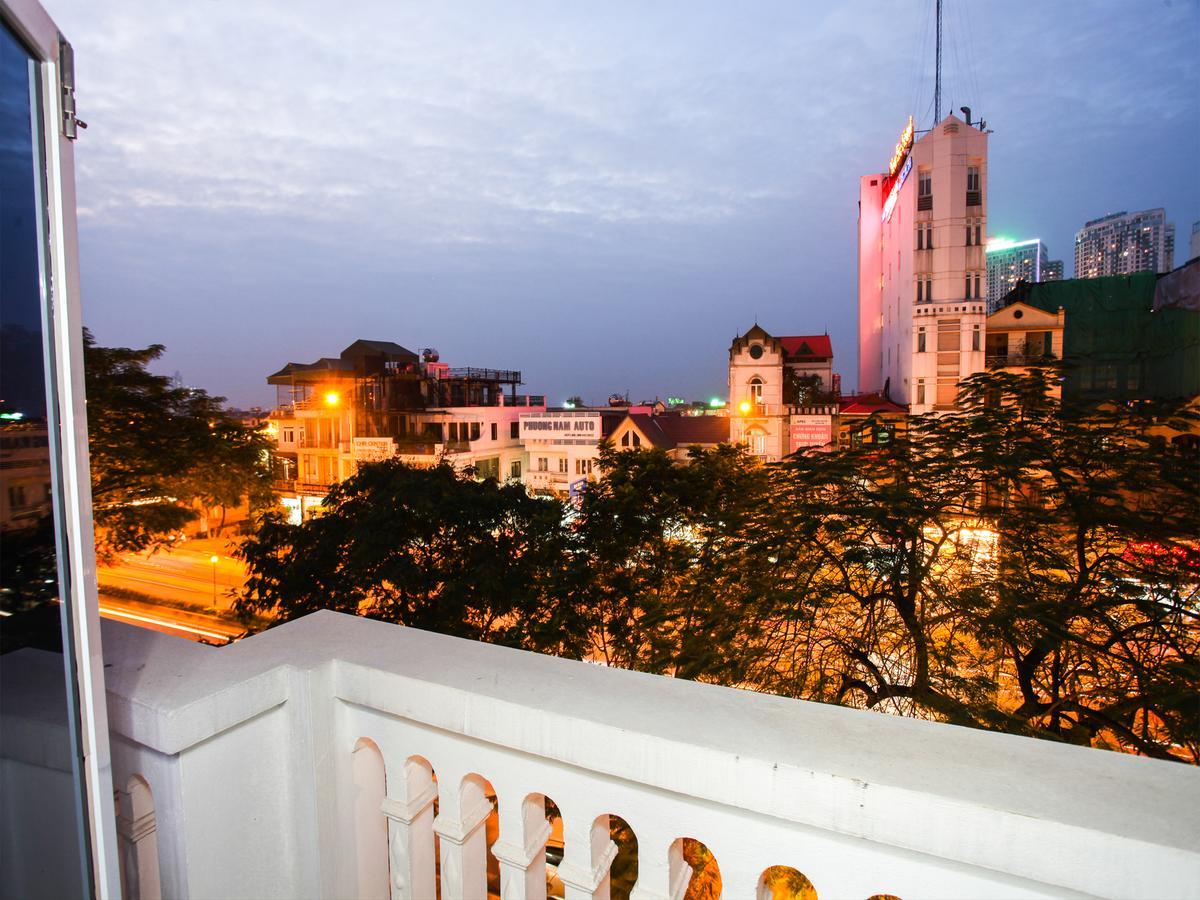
<point x="922" y="269"/>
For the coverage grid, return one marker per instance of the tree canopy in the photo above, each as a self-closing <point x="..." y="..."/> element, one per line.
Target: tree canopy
<point x="428" y="548"/>
<point x="1017" y="565"/>
<point x="157" y="449"/>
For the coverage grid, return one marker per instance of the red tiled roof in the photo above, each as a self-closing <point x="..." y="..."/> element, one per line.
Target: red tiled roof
<point x="865" y="404"/>
<point x="816" y="346"/>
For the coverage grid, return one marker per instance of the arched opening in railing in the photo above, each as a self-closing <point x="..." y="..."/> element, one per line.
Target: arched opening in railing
<point x="695" y="874"/>
<point x="555" y="848"/>
<point x="623" y="873"/>
<point x="370" y="824"/>
<point x="138" y="831"/>
<point x="785" y="883"/>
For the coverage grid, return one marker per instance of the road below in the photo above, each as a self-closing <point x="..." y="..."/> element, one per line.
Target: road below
<point x="186" y="591"/>
<point x="195" y="626"/>
<point x="186" y="574"/>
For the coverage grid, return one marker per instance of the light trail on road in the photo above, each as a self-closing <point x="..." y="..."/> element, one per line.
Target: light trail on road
<point x="115" y="612"/>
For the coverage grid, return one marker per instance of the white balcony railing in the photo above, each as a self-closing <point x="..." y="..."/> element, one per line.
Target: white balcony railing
<point x="341" y="757"/>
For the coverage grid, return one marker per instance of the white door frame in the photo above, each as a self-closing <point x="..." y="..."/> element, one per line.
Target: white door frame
<point x="67" y="410"/>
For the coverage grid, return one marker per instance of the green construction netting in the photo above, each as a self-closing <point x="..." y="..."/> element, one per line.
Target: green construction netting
<point x="1117" y="344"/>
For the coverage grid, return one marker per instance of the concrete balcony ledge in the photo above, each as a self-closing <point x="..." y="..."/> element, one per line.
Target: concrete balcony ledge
<point x="251" y="750"/>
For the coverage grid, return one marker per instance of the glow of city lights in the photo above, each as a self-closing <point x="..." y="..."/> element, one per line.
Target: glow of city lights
<point x="902" y="147"/>
<point x="716" y="403"/>
<point x="567" y="404"/>
<point x="996" y="244"/>
<point x="12" y="416"/>
<point x="332" y="399"/>
<point x="895" y="193"/>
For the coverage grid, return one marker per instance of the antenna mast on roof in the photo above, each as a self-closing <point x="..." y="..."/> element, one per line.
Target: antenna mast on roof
<point x="937" y="71"/>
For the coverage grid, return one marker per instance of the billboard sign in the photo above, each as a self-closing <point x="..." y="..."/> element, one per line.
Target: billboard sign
<point x="895" y="192"/>
<point x="573" y="429"/>
<point x="810" y="431"/>
<point x="903" y="146"/>
<point x="368" y="450"/>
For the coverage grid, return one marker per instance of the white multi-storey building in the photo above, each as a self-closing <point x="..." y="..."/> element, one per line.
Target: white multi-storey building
<point x="1011" y="261"/>
<point x="922" y="268"/>
<point x="562" y="447"/>
<point x="1124" y="243"/>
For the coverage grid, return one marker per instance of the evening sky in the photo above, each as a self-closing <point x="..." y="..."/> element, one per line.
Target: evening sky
<point x="601" y="195"/>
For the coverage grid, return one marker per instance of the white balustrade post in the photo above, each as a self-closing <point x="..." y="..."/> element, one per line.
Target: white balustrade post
<point x="410" y="845"/>
<point x="654" y="870"/>
<point x="679" y="873"/>
<point x="138" y="834"/>
<point x="588" y="855"/>
<point x="521" y="849"/>
<point x="460" y="825"/>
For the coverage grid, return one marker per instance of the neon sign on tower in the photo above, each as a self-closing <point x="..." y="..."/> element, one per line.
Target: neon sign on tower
<point x="902" y="162"/>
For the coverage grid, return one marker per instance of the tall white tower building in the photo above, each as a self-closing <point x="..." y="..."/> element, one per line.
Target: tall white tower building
<point x="922" y="270"/>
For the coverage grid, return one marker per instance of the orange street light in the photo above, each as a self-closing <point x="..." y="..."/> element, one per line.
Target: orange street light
<point x="214" y="559"/>
<point x="332" y="398"/>
<point x="744" y="407"/>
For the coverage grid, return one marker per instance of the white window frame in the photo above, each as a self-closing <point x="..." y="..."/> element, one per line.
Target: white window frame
<point x="756" y="391"/>
<point x="69" y="455"/>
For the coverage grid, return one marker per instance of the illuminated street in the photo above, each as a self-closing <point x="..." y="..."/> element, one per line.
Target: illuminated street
<point x="183" y="575"/>
<point x="169" y="620"/>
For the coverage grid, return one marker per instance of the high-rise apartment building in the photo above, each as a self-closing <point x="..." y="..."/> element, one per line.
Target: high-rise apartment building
<point x="1124" y="243"/>
<point x="922" y="298"/>
<point x="1011" y="261"/>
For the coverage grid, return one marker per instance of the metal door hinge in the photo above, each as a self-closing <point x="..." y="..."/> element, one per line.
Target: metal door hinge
<point x="66" y="85"/>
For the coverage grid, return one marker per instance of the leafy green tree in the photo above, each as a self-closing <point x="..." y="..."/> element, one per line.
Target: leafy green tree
<point x="156" y="449"/>
<point x="1016" y="565"/>
<point x="429" y="548"/>
<point x="659" y="586"/>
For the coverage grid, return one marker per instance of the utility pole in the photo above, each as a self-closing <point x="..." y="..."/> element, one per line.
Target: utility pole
<point x="937" y="73"/>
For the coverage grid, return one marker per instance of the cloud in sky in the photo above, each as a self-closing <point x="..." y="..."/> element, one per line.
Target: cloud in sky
<point x="598" y="195"/>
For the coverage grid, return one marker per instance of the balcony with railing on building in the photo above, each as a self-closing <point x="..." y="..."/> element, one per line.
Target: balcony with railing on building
<point x="337" y="756"/>
<point x="1037" y="353"/>
<point x="379" y="377"/>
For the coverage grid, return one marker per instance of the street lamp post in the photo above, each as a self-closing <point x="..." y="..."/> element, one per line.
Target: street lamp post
<point x="214" y="559"/>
